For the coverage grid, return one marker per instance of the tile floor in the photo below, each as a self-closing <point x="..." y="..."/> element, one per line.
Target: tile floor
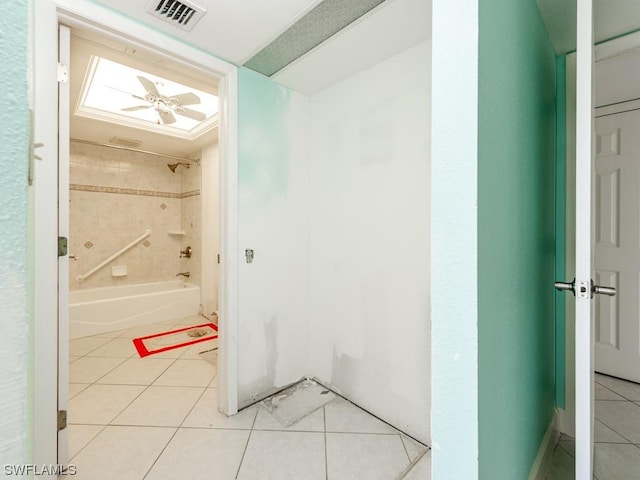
<point x="616" y="434"/>
<point x="156" y="418"/>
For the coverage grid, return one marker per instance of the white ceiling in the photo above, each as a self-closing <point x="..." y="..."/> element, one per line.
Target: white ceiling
<point x="612" y="18"/>
<point x="385" y="31"/>
<point x="233" y="30"/>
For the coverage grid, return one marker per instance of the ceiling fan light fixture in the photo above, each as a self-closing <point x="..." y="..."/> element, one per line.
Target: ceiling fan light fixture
<point x="137" y="96"/>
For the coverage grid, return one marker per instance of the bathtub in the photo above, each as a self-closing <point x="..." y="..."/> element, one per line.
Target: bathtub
<point x="101" y="310"/>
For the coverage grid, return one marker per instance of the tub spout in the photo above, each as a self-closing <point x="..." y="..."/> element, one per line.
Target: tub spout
<point x="184" y="274"/>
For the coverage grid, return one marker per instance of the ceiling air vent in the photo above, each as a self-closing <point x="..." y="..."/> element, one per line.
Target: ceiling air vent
<point x="182" y="14"/>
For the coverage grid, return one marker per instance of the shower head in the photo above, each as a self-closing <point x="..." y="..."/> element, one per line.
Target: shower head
<point x="173" y="166"/>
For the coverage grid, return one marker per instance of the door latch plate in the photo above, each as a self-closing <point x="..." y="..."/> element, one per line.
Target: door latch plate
<point x="583" y="289"/>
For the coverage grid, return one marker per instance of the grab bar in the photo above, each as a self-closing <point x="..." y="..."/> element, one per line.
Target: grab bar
<point x="81" y="278"/>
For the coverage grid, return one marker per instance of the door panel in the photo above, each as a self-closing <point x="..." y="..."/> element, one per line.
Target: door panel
<point x="64" y="56"/>
<point x="584" y="327"/>
<point x="617" y="252"/>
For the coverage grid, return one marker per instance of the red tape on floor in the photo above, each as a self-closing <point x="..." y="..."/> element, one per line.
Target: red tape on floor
<point x="143" y="351"/>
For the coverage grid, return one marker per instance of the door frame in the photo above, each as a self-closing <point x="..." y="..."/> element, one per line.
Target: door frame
<point x="46" y="15"/>
<point x="602" y="51"/>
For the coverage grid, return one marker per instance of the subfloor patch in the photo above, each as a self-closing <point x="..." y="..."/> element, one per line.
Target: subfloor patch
<point x="298" y="401"/>
<point x="182" y="337"/>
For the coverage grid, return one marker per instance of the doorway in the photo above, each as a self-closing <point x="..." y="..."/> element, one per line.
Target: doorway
<point x="614" y="238"/>
<point x="142" y="156"/>
<point x="86" y="16"/>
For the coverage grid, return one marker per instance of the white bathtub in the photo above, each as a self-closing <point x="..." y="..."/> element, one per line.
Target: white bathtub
<point x="100" y="310"/>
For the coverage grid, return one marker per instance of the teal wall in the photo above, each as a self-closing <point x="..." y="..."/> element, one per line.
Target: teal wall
<point x="14" y="264"/>
<point x="560" y="224"/>
<point x="515" y="237"/>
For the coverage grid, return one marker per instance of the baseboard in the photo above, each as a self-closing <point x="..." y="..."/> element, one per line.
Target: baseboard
<point x="545" y="452"/>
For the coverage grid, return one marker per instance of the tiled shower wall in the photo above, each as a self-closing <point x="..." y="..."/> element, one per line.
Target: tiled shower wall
<point x="115" y="195"/>
<point x="191" y="220"/>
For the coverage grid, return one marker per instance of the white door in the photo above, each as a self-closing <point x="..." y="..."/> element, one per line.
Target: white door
<point x="582" y="285"/>
<point x="617" y="244"/>
<point x="583" y="262"/>
<point x="64" y="57"/>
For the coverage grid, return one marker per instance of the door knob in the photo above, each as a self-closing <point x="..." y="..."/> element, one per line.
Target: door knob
<point x="611" y="291"/>
<point x="566" y="286"/>
<point x="595" y="289"/>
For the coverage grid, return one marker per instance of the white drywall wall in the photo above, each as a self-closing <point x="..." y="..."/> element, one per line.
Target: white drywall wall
<point x="369" y="187"/>
<point x="273" y="222"/>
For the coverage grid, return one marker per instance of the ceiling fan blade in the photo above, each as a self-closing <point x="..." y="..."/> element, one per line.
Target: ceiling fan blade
<point x="188" y="98"/>
<point x="189" y="113"/>
<point x="137" y="97"/>
<point x="167" y="117"/>
<point x="137" y="107"/>
<point x="149" y="86"/>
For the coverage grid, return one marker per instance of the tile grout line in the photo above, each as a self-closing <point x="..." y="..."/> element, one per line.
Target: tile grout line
<point x="610" y="427"/>
<point x="246" y="446"/>
<point x="90" y="440"/>
<point x="161" y="452"/>
<point x="326" y="461"/>
<point x="404" y="445"/>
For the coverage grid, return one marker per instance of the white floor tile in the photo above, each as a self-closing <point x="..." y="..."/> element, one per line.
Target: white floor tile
<point x="562" y="466"/>
<point x="314" y="422"/>
<point x="80" y="436"/>
<point x="146" y="330"/>
<point x="603" y="434"/>
<point x="414" y="449"/>
<point x="343" y="416"/>
<point x="629" y="390"/>
<point x="76" y="388"/>
<point x="137" y="371"/>
<point x="192" y="352"/>
<point x="603" y="393"/>
<point x="191" y="320"/>
<point x="201" y="454"/>
<point x="81" y="346"/>
<point x="188" y="373"/>
<point x="568" y="445"/>
<point x="284" y="455"/>
<point x="365" y="456"/>
<point x="160" y="406"/>
<point x="622" y="417"/>
<point x="616" y="462"/>
<point x="116" y="347"/>
<point x="421" y="470"/>
<point x="90" y="369"/>
<point x="121" y="453"/>
<point x="206" y="414"/>
<point x="113" y="334"/>
<point x="99" y="404"/>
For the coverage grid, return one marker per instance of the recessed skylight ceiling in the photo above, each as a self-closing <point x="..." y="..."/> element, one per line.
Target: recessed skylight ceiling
<point x="125" y="95"/>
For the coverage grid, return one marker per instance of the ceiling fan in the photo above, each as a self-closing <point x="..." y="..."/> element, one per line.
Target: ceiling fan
<point x="164" y="105"/>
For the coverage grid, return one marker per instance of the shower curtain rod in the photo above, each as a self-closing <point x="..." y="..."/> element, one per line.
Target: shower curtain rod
<point x="87" y="142"/>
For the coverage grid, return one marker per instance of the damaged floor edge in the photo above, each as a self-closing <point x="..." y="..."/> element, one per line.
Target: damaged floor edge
<point x="301" y="386"/>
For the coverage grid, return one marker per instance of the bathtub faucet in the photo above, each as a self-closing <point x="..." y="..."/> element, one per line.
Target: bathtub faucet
<point x="184" y="274"/>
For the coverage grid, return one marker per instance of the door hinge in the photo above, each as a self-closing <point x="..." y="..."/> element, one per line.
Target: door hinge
<point x="62" y="246"/>
<point x="63" y="73"/>
<point x="218" y="258"/>
<point x="62" y="419"/>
